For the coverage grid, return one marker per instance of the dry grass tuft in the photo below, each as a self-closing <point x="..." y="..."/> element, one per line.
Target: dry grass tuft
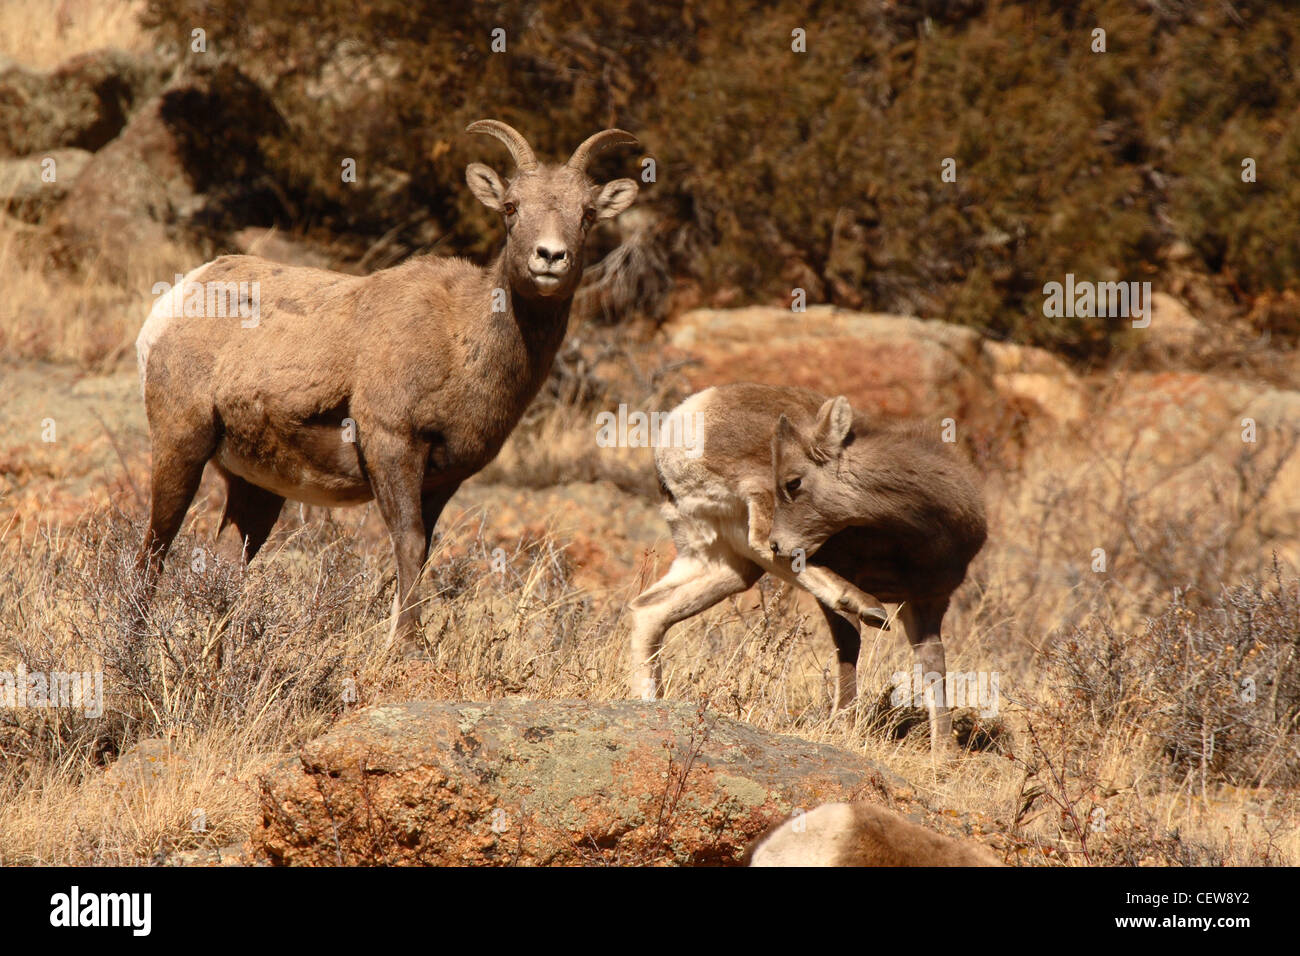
<point x="44" y="33"/>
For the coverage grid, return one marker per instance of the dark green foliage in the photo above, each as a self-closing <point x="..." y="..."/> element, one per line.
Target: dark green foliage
<point x="819" y="170"/>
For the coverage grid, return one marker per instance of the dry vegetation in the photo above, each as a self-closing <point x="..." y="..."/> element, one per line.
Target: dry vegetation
<point x="1124" y="736"/>
<point x="1116" y="701"/>
<point x="44" y="33"/>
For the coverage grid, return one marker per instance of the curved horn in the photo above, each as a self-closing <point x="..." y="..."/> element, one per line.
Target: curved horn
<point x="520" y="151"/>
<point x="597" y="143"/>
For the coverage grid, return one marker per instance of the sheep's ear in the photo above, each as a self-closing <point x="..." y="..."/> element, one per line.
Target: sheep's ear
<point x="783" y="438"/>
<point x="834" y="425"/>
<point x="486" y="185"/>
<point x="617" y="195"/>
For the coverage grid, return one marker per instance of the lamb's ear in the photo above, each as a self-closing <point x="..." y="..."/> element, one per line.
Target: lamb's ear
<point x="834" y="424"/>
<point x="782" y="438"/>
<point x="486" y="185"/>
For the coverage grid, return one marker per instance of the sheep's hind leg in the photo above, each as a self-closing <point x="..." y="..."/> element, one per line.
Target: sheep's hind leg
<point x="759" y="507"/>
<point x="834" y="592"/>
<point x="694" y="583"/>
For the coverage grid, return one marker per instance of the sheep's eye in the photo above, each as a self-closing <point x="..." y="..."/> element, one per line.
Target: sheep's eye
<point x="588" y="216"/>
<point x="792" y="486"/>
<point x="508" y="209"/>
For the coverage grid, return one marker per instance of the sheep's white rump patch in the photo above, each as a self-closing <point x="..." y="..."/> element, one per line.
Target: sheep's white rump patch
<point x="819" y="839"/>
<point x="170" y="306"/>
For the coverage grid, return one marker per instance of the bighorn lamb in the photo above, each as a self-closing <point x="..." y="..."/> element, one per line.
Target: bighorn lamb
<point x="861" y="834"/>
<point x="891" y="515"/>
<point x="395" y="386"/>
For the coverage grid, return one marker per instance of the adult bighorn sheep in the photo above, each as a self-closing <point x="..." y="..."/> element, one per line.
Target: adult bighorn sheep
<point x="395" y="386"/>
<point x="890" y="514"/>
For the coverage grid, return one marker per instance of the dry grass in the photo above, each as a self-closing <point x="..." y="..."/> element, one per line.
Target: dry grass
<point x="81" y="318"/>
<point x="44" y="33"/>
<point x="237" y="667"/>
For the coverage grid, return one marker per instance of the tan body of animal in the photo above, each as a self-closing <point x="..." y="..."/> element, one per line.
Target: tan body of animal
<point x="902" y="518"/>
<point x="340" y="389"/>
<point x="860" y="834"/>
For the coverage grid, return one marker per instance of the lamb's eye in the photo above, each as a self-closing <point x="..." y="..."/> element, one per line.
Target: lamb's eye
<point x="588" y="216"/>
<point x="509" y="209"/>
<point x="792" y="486"/>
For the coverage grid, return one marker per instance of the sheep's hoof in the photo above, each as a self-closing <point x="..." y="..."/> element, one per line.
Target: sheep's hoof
<point x="875" y="616"/>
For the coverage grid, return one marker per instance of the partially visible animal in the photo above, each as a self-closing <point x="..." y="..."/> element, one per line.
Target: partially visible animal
<point x="396" y="386"/>
<point x="908" y="539"/>
<point x="860" y="834"/>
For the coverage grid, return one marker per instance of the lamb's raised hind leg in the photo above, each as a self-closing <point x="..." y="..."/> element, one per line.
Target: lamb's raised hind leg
<point x="832" y="591"/>
<point x="694" y="583"/>
<point x="758" y="507"/>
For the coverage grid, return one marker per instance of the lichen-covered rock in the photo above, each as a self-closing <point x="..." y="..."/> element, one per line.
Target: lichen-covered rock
<point x="145" y="765"/>
<point x="549" y="783"/>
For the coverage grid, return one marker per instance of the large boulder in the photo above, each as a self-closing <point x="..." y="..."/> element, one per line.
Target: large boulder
<point x="551" y="783"/>
<point x="998" y="396"/>
<point x="896" y="365"/>
<point x="188" y="167"/>
<point x="83" y="103"/>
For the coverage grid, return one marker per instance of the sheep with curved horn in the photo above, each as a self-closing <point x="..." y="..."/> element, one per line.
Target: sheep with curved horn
<point x="334" y="389"/>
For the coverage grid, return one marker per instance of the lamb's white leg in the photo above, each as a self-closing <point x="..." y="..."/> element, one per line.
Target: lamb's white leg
<point x="758" y="506"/>
<point x="694" y="583"/>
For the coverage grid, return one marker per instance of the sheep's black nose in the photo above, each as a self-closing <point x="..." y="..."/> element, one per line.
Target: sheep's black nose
<point x="551" y="255"/>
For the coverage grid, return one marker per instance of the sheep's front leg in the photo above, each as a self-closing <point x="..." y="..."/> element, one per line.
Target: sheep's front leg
<point x="396" y="474"/>
<point x="842" y="595"/>
<point x="833" y="591"/>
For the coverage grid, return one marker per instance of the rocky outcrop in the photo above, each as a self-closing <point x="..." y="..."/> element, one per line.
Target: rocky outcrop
<point x="83" y="103"/>
<point x="551" y="783"/>
<point x="899" y="367"/>
<point x="188" y="166"/>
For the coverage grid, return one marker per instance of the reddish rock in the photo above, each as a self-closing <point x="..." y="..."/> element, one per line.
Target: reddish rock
<point x="550" y="783"/>
<point x="895" y="365"/>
